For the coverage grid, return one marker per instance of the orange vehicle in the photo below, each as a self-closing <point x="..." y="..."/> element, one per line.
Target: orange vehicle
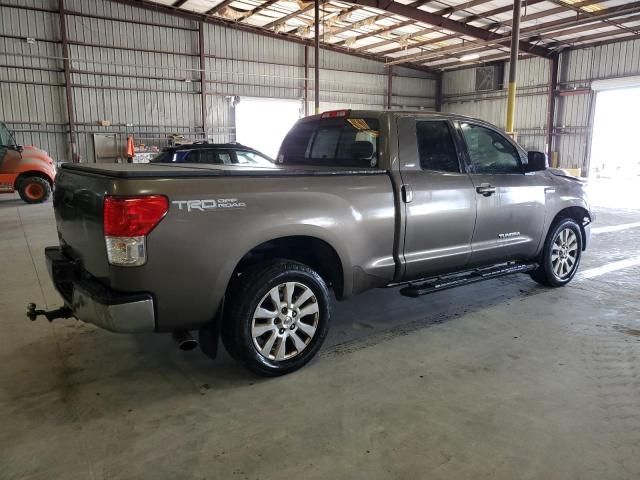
<point x="28" y="170"/>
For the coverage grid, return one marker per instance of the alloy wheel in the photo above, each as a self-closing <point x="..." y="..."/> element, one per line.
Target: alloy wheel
<point x="564" y="253"/>
<point x="285" y="321"/>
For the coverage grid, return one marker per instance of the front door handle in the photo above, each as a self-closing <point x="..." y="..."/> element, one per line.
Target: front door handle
<point x="486" y="189"/>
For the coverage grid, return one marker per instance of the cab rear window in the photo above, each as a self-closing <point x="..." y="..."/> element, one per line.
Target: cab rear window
<point x="340" y="142"/>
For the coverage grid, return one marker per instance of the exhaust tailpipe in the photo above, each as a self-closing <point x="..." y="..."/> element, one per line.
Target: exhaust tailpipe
<point x="184" y="340"/>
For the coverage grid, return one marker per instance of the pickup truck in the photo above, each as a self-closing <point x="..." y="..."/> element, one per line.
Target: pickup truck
<point x="356" y="200"/>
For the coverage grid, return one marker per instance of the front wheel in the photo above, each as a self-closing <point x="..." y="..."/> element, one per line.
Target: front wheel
<point x="561" y="254"/>
<point x="277" y="317"/>
<point x="34" y="189"/>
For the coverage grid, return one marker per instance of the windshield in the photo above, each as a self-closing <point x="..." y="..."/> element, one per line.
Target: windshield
<point x="5" y="136"/>
<point x="340" y="142"/>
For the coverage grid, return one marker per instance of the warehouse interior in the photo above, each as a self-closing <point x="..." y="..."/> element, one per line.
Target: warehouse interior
<point x="503" y="379"/>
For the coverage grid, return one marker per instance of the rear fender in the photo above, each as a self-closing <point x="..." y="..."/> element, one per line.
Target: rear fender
<point x="313" y="231"/>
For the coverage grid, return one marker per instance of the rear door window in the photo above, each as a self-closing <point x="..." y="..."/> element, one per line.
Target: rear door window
<point x="252" y="158"/>
<point x="340" y="142"/>
<point x="435" y="146"/>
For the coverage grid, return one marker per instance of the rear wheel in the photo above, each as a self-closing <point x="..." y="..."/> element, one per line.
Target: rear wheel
<point x="561" y="254"/>
<point x="34" y="189"/>
<point x="277" y="317"/>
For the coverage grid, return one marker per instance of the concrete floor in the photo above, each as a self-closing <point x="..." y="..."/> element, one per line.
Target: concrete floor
<point x="500" y="380"/>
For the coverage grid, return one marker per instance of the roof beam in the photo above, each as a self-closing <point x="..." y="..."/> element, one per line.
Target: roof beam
<point x="444" y="11"/>
<point x="617" y="39"/>
<point x="469" y="19"/>
<point x="337" y="15"/>
<point x="505" y="9"/>
<point x="497" y="11"/>
<point x="284" y="19"/>
<point x="375" y="33"/>
<point x="586" y="28"/>
<point x="541" y="14"/>
<point x="483" y="60"/>
<point x="220" y="6"/>
<point x="556" y="25"/>
<point x="562" y="23"/>
<point x="259" y="8"/>
<point x="473" y="48"/>
<point x="457" y="48"/>
<point x="431" y="41"/>
<point x="178" y="3"/>
<point x="597" y="36"/>
<point x="446" y="23"/>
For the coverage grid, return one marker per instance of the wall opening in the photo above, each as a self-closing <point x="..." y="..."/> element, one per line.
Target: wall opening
<point x="262" y="123"/>
<point x="614" y="165"/>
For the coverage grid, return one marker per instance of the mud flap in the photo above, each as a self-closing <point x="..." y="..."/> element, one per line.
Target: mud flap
<point x="209" y="335"/>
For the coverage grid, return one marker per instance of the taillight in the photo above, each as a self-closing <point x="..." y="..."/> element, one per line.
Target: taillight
<point x="335" y="114"/>
<point x="127" y="221"/>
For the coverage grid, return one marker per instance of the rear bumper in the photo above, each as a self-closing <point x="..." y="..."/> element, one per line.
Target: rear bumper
<point x="94" y="303"/>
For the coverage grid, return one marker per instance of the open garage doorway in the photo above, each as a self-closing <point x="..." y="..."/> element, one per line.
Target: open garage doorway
<point x="614" y="167"/>
<point x="262" y="123"/>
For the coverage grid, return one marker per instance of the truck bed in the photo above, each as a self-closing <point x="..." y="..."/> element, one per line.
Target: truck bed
<point x="169" y="170"/>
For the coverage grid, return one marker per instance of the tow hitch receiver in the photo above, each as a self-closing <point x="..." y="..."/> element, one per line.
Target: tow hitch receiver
<point x="62" y="312"/>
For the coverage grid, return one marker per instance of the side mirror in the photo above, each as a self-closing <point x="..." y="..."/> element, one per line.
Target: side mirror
<point x="537" y="162"/>
<point x="19" y="148"/>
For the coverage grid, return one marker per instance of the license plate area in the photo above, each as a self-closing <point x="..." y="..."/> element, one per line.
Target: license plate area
<point x="62" y="270"/>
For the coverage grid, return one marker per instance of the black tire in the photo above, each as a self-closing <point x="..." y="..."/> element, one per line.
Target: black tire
<point x="34" y="189"/>
<point x="252" y="290"/>
<point x="546" y="274"/>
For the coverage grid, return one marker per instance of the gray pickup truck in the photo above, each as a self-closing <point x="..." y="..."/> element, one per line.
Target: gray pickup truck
<point x="356" y="200"/>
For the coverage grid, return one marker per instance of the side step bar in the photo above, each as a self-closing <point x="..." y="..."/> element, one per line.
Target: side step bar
<point x="465" y="278"/>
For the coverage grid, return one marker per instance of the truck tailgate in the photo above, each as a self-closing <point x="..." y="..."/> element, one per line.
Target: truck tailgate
<point x="77" y="202"/>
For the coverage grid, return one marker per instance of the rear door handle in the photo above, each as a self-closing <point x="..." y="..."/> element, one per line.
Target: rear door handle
<point x="486" y="189"/>
<point x="407" y="193"/>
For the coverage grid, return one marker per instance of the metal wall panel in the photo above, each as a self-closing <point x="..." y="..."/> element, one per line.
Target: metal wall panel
<point x="31" y="82"/>
<point x="29" y="23"/>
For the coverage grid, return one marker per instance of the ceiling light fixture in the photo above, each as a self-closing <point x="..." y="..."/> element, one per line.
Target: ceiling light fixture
<point x="468" y="57"/>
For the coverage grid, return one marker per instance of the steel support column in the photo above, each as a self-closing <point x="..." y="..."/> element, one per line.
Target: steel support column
<point x="203" y="93"/>
<point x="439" y="93"/>
<point x="389" y="86"/>
<point x="513" y="66"/>
<point x="316" y="57"/>
<point x="551" y="109"/>
<point x="67" y="83"/>
<point x="306" y="81"/>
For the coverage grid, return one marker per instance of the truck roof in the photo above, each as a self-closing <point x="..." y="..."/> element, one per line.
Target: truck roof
<point x="381" y="113"/>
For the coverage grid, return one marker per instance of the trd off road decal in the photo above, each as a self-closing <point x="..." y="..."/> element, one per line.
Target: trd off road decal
<point x="209" y="204"/>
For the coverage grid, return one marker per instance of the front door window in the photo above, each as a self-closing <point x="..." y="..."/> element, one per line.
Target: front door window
<point x="490" y="152"/>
